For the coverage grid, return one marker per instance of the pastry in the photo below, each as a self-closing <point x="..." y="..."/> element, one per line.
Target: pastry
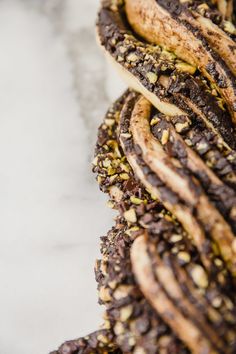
<point x="152" y="226"/>
<point x="166" y="157"/>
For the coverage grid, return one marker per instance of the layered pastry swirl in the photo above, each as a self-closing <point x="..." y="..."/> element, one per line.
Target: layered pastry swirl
<point x="166" y="156"/>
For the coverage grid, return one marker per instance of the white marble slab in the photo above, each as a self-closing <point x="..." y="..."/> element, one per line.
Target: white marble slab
<point x="54" y="89"/>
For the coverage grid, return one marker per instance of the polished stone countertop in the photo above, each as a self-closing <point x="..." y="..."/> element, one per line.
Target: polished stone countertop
<point x="55" y="87"/>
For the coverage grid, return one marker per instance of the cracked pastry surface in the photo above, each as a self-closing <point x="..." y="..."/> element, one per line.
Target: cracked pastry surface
<point x="166" y="156"/>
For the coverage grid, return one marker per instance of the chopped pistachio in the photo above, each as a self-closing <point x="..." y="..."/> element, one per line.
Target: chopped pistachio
<point x="114" y="145"/>
<point x="130" y="231"/>
<point x="124" y="176"/>
<point x="95" y="161"/>
<point x="105" y="316"/>
<point x="214" y="315"/>
<point x="215" y="248"/>
<point x="116" y="116"/>
<point x="106" y="325"/>
<point x="105" y="147"/>
<point x="122" y="49"/>
<point x="229" y="27"/>
<point x="218" y="262"/>
<point x="120" y="59"/>
<point x="131" y="341"/>
<point x="126" y="135"/>
<point x="165" y="341"/>
<point x="125" y="167"/>
<point x="188" y="142"/>
<point x="220" y="102"/>
<point x="216" y="302"/>
<point x="122" y="291"/>
<point x="132" y="57"/>
<point x="99" y="179"/>
<point x="185" y="67"/>
<point x="104" y="294"/>
<point x="153" y="196"/>
<point x="184" y="257"/>
<point x="175" y="250"/>
<point x="106" y="163"/>
<point x="125" y="313"/>
<point x="110" y="204"/>
<point x="181" y="126"/>
<point x="130" y="216"/>
<point x="201" y="146"/>
<point x="154" y="121"/>
<point x="115" y="163"/>
<point x="113" y="177"/>
<point x="111" y="171"/>
<point x="113" y="41"/>
<point x="202" y="8"/>
<point x="116" y="193"/>
<point x="164" y="67"/>
<point x="231" y="157"/>
<point x="209" y="163"/>
<point x="221" y="278"/>
<point x="214" y="92"/>
<point x="165" y="136"/>
<point x="152" y="77"/>
<point x="168" y="218"/>
<point x="110" y="122"/>
<point x="168" y="55"/>
<point x="112" y="284"/>
<point x="199" y="276"/>
<point x="135" y="200"/>
<point x="119" y="328"/>
<point x="176" y="238"/>
<point x="228" y="303"/>
<point x="103" y="339"/>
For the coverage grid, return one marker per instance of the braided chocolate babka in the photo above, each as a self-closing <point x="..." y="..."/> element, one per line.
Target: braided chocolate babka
<point x="166" y="156"/>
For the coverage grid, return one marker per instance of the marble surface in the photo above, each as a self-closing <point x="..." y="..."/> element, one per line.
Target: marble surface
<point x="54" y="89"/>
